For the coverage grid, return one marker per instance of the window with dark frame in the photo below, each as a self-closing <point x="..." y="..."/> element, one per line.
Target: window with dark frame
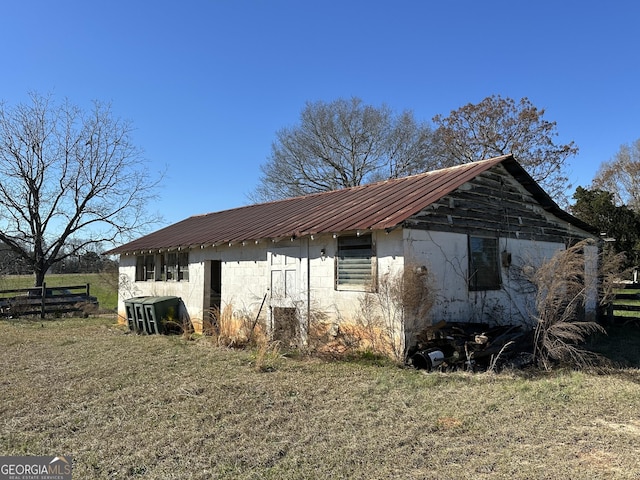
<point x="149" y="267"/>
<point x="140" y="276"/>
<point x="145" y="268"/>
<point x="484" y="264"/>
<point x="174" y="266"/>
<point x="163" y="267"/>
<point x="183" y="267"/>
<point x="354" y="262"/>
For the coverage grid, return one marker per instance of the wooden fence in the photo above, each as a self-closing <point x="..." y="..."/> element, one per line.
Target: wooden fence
<point x="625" y="307"/>
<point x="47" y="300"/>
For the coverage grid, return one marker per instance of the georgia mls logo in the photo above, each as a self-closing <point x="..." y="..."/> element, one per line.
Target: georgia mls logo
<point x="60" y="465"/>
<point x="35" y="468"/>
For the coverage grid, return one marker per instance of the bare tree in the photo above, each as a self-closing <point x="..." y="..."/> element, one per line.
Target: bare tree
<point x="500" y="126"/>
<point x="66" y="172"/>
<point x="621" y="176"/>
<point x="341" y="144"/>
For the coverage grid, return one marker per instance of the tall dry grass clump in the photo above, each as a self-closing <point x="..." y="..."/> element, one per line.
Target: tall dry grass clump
<point x="562" y="291"/>
<point x="229" y="328"/>
<point x="232" y="328"/>
<point x="266" y="356"/>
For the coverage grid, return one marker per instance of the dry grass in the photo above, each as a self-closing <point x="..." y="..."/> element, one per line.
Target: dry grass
<point x="561" y="294"/>
<point x="158" y="407"/>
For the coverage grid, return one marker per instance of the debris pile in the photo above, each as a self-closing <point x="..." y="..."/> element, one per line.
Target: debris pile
<point x="448" y="346"/>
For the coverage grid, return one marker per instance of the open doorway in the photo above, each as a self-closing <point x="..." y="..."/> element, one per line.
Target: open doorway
<point x="213" y="302"/>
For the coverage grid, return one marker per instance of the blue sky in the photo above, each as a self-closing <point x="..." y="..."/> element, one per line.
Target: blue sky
<point x="208" y="83"/>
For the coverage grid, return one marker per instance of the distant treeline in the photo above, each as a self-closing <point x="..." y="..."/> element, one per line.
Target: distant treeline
<point x="89" y="262"/>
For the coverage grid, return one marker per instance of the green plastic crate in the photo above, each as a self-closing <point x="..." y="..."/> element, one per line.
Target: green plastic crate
<point x="135" y="313"/>
<point x="161" y="314"/>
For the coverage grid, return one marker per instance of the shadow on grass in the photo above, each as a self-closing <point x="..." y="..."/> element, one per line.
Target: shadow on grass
<point x="621" y="345"/>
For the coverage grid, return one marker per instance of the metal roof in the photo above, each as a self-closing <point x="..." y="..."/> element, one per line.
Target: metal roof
<point x="374" y="206"/>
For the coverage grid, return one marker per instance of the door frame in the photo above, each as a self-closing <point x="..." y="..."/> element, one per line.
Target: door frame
<point x="285" y="266"/>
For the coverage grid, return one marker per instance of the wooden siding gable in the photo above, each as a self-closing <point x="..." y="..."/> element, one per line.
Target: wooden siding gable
<point x="494" y="203"/>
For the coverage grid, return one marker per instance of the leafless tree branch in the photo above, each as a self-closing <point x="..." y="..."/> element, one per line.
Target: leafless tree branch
<point x="67" y="173"/>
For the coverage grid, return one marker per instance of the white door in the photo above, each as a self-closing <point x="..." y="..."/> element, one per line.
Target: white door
<point x="284" y="266"/>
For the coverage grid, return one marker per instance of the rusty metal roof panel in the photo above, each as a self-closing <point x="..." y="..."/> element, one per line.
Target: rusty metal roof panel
<point x="368" y="207"/>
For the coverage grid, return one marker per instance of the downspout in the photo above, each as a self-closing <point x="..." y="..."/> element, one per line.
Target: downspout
<point x="306" y="336"/>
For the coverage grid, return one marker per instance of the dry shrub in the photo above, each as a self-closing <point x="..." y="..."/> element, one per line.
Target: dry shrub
<point x="369" y="329"/>
<point x="344" y="337"/>
<point x="388" y="318"/>
<point x="329" y="339"/>
<point x="227" y="329"/>
<point x="417" y="291"/>
<point x="339" y="338"/>
<point x="405" y="299"/>
<point x="321" y="330"/>
<point x="318" y="335"/>
<point x="611" y="270"/>
<point x="210" y="324"/>
<point x="561" y="294"/>
<point x="231" y="328"/>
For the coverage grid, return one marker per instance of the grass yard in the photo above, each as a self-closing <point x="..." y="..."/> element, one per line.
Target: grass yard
<point x="160" y="407"/>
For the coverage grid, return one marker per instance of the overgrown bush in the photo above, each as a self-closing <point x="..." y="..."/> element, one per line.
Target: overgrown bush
<point x="561" y="294"/>
<point x="389" y="317"/>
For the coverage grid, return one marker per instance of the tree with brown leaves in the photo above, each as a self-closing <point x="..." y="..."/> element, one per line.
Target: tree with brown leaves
<point x="500" y="126"/>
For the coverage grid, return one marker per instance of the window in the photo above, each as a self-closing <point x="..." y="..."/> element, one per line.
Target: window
<point x="183" y="267"/>
<point x="176" y="266"/>
<point x="149" y="267"/>
<point x="139" y="268"/>
<point x="173" y="266"/>
<point x="163" y="267"/>
<point x="171" y="261"/>
<point x="484" y="270"/>
<point x="145" y="268"/>
<point x="354" y="263"/>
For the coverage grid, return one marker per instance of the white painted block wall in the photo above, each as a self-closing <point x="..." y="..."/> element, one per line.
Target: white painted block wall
<point x="246" y="276"/>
